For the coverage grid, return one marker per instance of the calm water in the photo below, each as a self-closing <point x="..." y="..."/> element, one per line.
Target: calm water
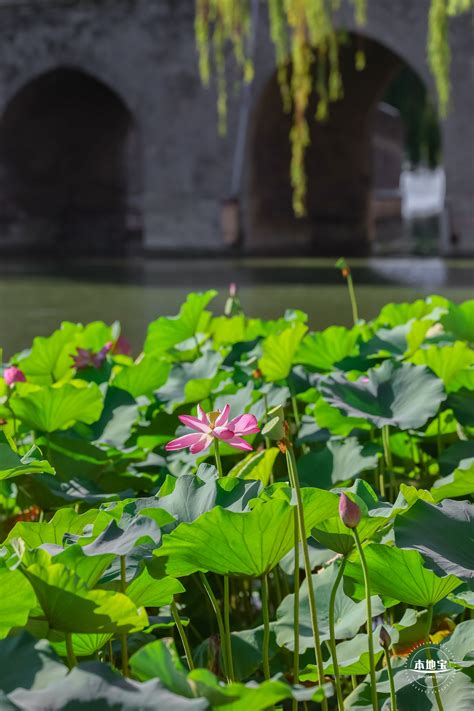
<point x="35" y="297"/>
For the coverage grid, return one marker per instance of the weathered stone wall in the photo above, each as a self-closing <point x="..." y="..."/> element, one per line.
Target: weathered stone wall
<point x="144" y="51"/>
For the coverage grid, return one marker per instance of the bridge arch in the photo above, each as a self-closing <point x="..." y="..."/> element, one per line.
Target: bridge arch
<point x="70" y="165"/>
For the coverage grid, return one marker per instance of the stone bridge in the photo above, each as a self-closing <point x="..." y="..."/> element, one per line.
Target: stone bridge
<point x="109" y="142"/>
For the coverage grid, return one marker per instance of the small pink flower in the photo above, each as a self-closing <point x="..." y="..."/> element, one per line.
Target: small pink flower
<point x="349" y="512"/>
<point x="209" y="426"/>
<point x="121" y="347"/>
<point x="86" y="358"/>
<point x="13" y="375"/>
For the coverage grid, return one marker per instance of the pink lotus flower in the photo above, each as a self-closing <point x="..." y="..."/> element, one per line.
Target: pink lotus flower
<point x="86" y="358"/>
<point x="13" y="375"/>
<point x="214" y="425"/>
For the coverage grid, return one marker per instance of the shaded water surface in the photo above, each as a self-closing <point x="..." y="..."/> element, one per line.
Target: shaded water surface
<point x="36" y="296"/>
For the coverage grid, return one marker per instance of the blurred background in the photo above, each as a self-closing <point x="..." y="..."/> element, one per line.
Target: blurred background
<point x="117" y="193"/>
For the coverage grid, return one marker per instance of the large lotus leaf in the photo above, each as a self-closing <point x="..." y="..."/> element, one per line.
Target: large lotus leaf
<point x="256" y="465"/>
<point x="89" y="569"/>
<point x="401" y="575"/>
<point x="35" y="533"/>
<point x="192" y="382"/>
<point x="50" y="358"/>
<point x="331" y="419"/>
<point x="12" y="464"/>
<point x="84" y="645"/>
<point x="160" y="660"/>
<point x="443" y="534"/>
<point x="454" y="456"/>
<point x="325" y="349"/>
<point x="279" y="352"/>
<point x="120" y="539"/>
<point x="446" y="362"/>
<point x="333" y="534"/>
<point x="56" y="408"/>
<point x="69" y="606"/>
<point x="28" y="663"/>
<point x="399" y="341"/>
<point x="464" y="595"/>
<point x="385" y="395"/>
<point x="338" y="461"/>
<point x="192" y="497"/>
<point x="224" y="330"/>
<point x="459" y="483"/>
<point x="248" y="543"/>
<point x="349" y="615"/>
<point x="143" y="377"/>
<point x="396" y="314"/>
<point x="352" y="656"/>
<point x="92" y="686"/>
<point x="461" y="403"/>
<point x="119" y="414"/>
<point x="147" y="591"/>
<point x="460" y="320"/>
<point x="17" y="599"/>
<point x="460" y="644"/>
<point x="166" y="332"/>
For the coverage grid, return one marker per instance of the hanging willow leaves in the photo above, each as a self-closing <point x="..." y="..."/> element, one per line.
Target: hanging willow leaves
<point x="304" y="36"/>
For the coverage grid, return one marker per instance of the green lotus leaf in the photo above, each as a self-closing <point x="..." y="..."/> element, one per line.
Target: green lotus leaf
<point x="96" y="686"/>
<point x="192" y="382"/>
<point x="400" y="341"/>
<point x="228" y="331"/>
<point x="333" y="534"/>
<point x="459" y="644"/>
<point x="256" y="465"/>
<point x="338" y="461"/>
<point x="57" y="407"/>
<point x="17" y="599"/>
<point x="160" y="660"/>
<point x="464" y="595"/>
<point x="165" y="332"/>
<point x="325" y="349"/>
<point x="443" y="534"/>
<point x="84" y="645"/>
<point x="396" y="314"/>
<point x="69" y="606"/>
<point x="455" y="455"/>
<point x="401" y="575"/>
<point x="385" y="396"/>
<point x="248" y="543"/>
<point x="460" y="320"/>
<point x="279" y="352"/>
<point x="349" y="615"/>
<point x="89" y="569"/>
<point x="50" y="358"/>
<point x="446" y="362"/>
<point x="35" y="533"/>
<point x="352" y="656"/>
<point x="143" y="377"/>
<point x="120" y="539"/>
<point x="119" y="414"/>
<point x="335" y="421"/>
<point x="28" y="663"/>
<point x="13" y="464"/>
<point x="147" y="591"/>
<point x="462" y="404"/>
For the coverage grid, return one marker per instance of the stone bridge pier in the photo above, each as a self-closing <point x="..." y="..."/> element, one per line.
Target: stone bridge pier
<point x="109" y="142"/>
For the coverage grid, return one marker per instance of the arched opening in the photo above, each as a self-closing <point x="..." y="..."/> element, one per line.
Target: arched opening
<point x="69" y="167"/>
<point x="353" y="163"/>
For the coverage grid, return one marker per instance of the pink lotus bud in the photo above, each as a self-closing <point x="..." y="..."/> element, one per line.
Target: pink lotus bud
<point x="13" y="375"/>
<point x="349" y="512"/>
<point x="122" y="347"/>
<point x="384" y="638"/>
<point x="232" y="290"/>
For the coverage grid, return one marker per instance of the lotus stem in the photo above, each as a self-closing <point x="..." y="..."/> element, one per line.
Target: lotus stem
<point x="228" y="639"/>
<point x="352" y="296"/>
<point x="123" y="638"/>
<point x="370" y="635"/>
<point x="296" y="609"/>
<point x="393" y="696"/>
<point x="428" y="654"/>
<point x="293" y="475"/>
<point x="388" y="455"/>
<point x="332" y="635"/>
<point x="266" y="628"/>
<point x="183" y="636"/>
<point x="220" y="622"/>
<point x="71" y="657"/>
<point x="217" y="456"/>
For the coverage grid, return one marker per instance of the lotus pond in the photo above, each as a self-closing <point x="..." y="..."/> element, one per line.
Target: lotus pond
<point x="245" y="515"/>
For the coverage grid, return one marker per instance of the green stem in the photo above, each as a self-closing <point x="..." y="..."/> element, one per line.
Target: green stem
<point x="268" y="444"/>
<point x="393" y="696"/>
<point x="332" y="635"/>
<point x="296" y="414"/>
<point x="370" y="635"/>
<point x="439" y="443"/>
<point x="220" y="623"/>
<point x="388" y="457"/>
<point x="71" y="657"/>
<point x="182" y="634"/>
<point x="293" y="475"/>
<point x="228" y="640"/>
<point x="352" y="296"/>
<point x="296" y="610"/>
<point x="123" y="638"/>
<point x="354" y="681"/>
<point x="217" y="456"/>
<point x="429" y="622"/>
<point x="266" y="628"/>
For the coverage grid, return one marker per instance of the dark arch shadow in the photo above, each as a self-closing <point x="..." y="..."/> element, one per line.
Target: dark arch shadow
<point x="70" y="169"/>
<point x="339" y="163"/>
